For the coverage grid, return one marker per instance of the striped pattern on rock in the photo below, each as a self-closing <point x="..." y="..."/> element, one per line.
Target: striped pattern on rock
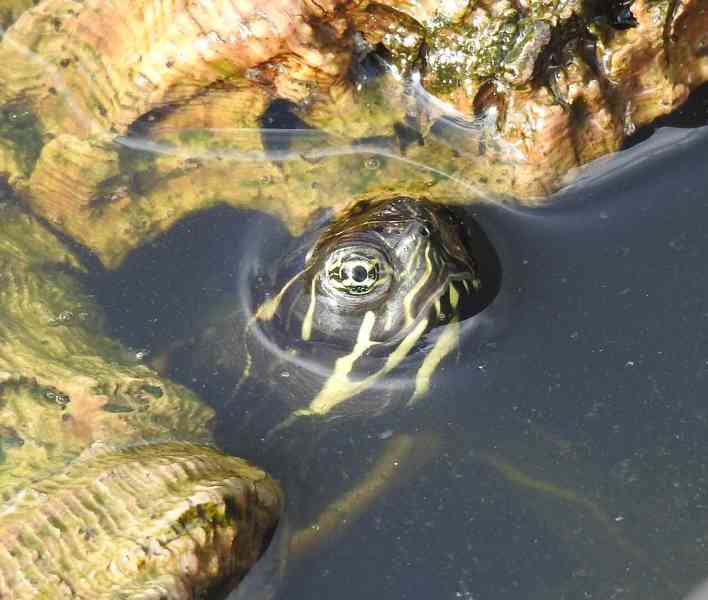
<point x="162" y="521"/>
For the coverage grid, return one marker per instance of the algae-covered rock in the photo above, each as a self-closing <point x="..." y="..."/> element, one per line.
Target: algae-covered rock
<point x="10" y="10"/>
<point x="92" y="68"/>
<point x="166" y="520"/>
<point x="99" y="500"/>
<point x="466" y="100"/>
<point x="62" y="379"/>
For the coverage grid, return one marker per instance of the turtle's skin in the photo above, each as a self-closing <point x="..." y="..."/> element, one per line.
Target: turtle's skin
<point x="355" y="319"/>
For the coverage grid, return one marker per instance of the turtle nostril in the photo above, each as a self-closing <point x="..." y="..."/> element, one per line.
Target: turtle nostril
<point x="359" y="274"/>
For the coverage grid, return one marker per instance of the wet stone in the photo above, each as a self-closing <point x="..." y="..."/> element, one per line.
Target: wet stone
<point x="153" y="390"/>
<point x="9" y="438"/>
<point x="57" y="397"/>
<point x="115" y="407"/>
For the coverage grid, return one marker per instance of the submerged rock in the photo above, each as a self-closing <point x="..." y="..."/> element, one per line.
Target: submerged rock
<point x="167" y="520"/>
<point x="502" y="98"/>
<point x="107" y="483"/>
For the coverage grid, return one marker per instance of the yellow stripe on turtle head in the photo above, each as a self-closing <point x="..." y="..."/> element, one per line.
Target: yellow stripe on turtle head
<point x="446" y="343"/>
<point x="339" y="387"/>
<point x="411" y="295"/>
<point x="438" y="308"/>
<point x="309" y="316"/>
<point x="454" y="297"/>
<point x="267" y="310"/>
<point x="414" y="257"/>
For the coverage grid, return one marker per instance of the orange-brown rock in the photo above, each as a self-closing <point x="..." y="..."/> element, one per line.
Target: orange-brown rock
<point x="532" y="89"/>
<point x="92" y="68"/>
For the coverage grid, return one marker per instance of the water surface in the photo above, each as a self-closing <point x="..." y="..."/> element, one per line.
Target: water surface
<point x="573" y="424"/>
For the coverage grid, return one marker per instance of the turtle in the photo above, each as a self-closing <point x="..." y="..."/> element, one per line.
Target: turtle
<point x="120" y="119"/>
<point x="356" y="317"/>
<point x="109" y="462"/>
<point x="351" y="322"/>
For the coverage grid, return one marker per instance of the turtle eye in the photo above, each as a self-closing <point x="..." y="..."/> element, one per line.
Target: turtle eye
<point x="354" y="272"/>
<point x="355" y="275"/>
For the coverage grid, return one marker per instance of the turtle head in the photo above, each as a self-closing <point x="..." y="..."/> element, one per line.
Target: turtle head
<point x="368" y="308"/>
<point x="383" y="272"/>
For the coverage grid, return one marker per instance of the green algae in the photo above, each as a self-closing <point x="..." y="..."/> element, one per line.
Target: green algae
<point x="21" y="128"/>
<point x="55" y="373"/>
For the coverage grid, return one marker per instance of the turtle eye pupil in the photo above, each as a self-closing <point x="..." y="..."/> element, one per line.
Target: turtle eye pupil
<point x="359" y="274"/>
<point x="353" y="273"/>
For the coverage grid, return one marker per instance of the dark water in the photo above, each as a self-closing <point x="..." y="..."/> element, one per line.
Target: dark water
<point x="573" y="426"/>
<point x="595" y="391"/>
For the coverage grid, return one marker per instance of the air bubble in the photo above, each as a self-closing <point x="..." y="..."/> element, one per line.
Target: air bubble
<point x="65" y="316"/>
<point x="142" y="353"/>
<point x="57" y="397"/>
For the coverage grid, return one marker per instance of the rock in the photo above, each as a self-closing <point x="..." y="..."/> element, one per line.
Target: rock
<point x="88" y="449"/>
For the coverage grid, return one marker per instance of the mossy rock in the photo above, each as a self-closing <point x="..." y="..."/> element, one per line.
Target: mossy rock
<point x="100" y="500"/>
<point x="113" y="132"/>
